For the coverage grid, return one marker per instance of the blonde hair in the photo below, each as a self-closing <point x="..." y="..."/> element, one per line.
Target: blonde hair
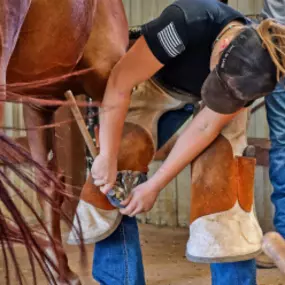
<point x="273" y="37"/>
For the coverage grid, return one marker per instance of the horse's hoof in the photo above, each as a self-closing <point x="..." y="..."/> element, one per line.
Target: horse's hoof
<point x="126" y="181"/>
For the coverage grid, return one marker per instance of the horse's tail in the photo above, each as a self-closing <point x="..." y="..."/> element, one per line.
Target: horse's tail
<point x="14" y="227"/>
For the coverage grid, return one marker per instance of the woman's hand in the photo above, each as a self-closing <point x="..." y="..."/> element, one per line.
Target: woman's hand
<point x="141" y="199"/>
<point x="104" y="172"/>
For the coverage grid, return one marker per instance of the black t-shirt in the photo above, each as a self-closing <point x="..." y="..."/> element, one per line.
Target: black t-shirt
<point x="182" y="39"/>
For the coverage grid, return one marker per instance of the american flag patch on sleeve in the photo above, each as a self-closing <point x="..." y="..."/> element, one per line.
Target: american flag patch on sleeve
<point x="170" y="40"/>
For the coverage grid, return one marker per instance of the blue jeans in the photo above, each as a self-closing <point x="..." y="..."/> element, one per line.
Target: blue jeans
<point x="275" y="106"/>
<point x="118" y="261"/>
<point x="118" y="258"/>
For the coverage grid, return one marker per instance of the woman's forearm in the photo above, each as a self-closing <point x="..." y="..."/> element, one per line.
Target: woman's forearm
<point x="200" y="133"/>
<point x="136" y="66"/>
<point x="186" y="148"/>
<point x="112" y="116"/>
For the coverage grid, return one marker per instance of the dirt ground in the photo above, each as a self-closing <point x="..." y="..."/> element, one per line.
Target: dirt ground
<point x="165" y="263"/>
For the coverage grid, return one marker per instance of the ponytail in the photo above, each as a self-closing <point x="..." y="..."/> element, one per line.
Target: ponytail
<point x="273" y="37"/>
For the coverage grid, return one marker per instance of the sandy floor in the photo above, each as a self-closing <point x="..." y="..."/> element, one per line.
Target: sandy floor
<point x="165" y="264"/>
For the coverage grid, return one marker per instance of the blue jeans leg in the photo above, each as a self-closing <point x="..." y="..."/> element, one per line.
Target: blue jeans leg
<point x="235" y="273"/>
<point x="118" y="261"/>
<point x="118" y="258"/>
<point x="275" y="106"/>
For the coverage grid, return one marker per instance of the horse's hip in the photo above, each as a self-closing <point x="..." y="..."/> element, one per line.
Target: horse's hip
<point x="52" y="39"/>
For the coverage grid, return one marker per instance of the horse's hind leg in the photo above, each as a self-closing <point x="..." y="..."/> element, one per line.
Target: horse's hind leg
<point x="41" y="143"/>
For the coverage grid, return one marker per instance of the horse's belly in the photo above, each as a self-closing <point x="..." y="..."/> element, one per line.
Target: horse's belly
<point x="52" y="39"/>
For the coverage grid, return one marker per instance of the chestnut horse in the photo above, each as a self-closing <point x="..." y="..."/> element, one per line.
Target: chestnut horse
<point x="43" y="39"/>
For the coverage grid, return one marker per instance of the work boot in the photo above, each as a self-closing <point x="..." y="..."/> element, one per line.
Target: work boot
<point x="223" y="226"/>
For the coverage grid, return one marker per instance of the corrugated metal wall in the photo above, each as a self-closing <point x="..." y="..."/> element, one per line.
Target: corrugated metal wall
<point x="141" y="11"/>
<point x="172" y="207"/>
